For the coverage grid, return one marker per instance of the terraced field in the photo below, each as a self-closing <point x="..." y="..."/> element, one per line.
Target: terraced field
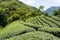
<point x="45" y="21"/>
<point x="35" y="28"/>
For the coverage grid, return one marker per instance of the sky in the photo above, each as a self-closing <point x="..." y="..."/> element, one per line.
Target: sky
<point x="45" y="3"/>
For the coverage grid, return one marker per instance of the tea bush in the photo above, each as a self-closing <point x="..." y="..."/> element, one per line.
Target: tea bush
<point x="35" y="36"/>
<point x="14" y="29"/>
<point x="52" y="30"/>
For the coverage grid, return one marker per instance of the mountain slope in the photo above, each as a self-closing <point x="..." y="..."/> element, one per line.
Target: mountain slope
<point x="13" y="10"/>
<point x="51" y="9"/>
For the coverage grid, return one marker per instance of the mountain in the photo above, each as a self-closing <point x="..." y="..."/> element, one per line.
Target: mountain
<point x="51" y="9"/>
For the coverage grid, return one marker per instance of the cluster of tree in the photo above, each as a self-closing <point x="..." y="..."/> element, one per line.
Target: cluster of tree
<point x="14" y="10"/>
<point x="57" y="12"/>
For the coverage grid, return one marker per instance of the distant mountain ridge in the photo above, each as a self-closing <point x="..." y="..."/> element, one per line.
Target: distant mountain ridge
<point x="51" y="9"/>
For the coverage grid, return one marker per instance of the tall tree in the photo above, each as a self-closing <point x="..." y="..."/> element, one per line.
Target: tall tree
<point x="41" y="7"/>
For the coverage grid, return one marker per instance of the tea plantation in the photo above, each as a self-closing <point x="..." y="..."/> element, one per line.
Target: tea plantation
<point x="19" y="21"/>
<point x="34" y="28"/>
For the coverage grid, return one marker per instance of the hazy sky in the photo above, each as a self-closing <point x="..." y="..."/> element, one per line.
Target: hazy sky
<point x="46" y="3"/>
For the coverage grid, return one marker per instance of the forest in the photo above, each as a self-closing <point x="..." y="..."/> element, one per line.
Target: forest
<point x="19" y="21"/>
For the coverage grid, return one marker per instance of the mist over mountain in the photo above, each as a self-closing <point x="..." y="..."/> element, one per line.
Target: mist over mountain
<point x="51" y="9"/>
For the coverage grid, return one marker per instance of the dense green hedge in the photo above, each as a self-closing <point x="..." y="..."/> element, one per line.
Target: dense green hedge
<point x="56" y="18"/>
<point x="31" y="24"/>
<point x="54" y="21"/>
<point x="49" y="22"/>
<point x="35" y="36"/>
<point x="52" y="30"/>
<point x="14" y="29"/>
<point x="20" y="30"/>
<point x="44" y="20"/>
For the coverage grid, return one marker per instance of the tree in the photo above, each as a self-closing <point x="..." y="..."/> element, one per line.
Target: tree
<point x="11" y="10"/>
<point x="57" y="12"/>
<point x="41" y="7"/>
<point x="46" y="14"/>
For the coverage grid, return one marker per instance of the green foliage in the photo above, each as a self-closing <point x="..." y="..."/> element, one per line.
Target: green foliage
<point x="52" y="30"/>
<point x="54" y="21"/>
<point x="56" y="18"/>
<point x="41" y="7"/>
<point x="46" y="14"/>
<point x="35" y="36"/>
<point x="14" y="10"/>
<point x="20" y="30"/>
<point x="14" y="29"/>
<point x="50" y="25"/>
<point x="1" y="28"/>
<point x="57" y="12"/>
<point x="35" y="24"/>
<point x="44" y="20"/>
<point x="49" y="22"/>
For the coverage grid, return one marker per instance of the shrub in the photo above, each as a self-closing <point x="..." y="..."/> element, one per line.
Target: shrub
<point x="42" y="20"/>
<point x="56" y="18"/>
<point x="54" y="21"/>
<point x="52" y="30"/>
<point x="35" y="26"/>
<point x="32" y="25"/>
<point x="1" y="28"/>
<point x="35" y="36"/>
<point x="49" y="22"/>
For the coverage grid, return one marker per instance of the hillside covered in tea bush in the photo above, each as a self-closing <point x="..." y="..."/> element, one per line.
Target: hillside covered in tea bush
<point x="19" y="21"/>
